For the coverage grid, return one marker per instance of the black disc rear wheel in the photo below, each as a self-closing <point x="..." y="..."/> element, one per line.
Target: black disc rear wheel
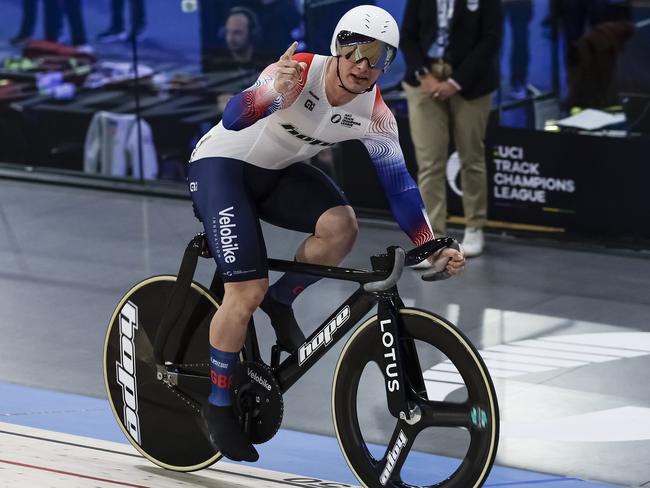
<point x="160" y="420"/>
<point x="451" y="439"/>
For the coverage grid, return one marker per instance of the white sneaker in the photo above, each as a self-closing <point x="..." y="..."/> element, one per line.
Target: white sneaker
<point x="473" y="242"/>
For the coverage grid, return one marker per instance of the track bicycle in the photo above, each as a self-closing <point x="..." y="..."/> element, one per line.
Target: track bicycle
<point x="157" y="376"/>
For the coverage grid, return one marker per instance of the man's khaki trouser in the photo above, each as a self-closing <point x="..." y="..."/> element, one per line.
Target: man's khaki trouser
<point x="430" y="123"/>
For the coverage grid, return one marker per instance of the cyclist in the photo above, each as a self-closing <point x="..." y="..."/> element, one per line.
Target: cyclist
<point x="249" y="167"/>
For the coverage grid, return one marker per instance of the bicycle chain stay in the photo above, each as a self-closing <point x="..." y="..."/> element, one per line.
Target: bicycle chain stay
<point x="178" y="296"/>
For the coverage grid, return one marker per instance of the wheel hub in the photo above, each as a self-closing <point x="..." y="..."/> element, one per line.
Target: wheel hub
<point x="415" y="415"/>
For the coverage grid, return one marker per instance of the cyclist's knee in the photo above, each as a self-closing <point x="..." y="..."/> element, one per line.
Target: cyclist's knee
<point x="339" y="226"/>
<point x="244" y="297"/>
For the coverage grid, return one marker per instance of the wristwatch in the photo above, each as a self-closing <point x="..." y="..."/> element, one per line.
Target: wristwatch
<point x="421" y="72"/>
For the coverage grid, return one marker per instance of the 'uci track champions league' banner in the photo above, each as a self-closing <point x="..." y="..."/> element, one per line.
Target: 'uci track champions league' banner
<point x="566" y="182"/>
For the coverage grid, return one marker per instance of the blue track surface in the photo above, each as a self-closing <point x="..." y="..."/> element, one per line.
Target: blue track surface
<point x="92" y="417"/>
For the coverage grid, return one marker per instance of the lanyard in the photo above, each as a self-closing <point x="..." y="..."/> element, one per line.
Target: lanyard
<point x="445" y="12"/>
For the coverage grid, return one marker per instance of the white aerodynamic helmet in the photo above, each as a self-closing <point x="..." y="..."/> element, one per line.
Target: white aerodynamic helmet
<point x="367" y="32"/>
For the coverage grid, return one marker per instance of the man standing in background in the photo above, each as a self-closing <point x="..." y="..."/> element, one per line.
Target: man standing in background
<point x="519" y="14"/>
<point x="53" y="13"/>
<point x="116" y="31"/>
<point x="451" y="48"/>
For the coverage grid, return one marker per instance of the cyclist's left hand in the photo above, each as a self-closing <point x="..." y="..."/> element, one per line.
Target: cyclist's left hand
<point x="448" y="259"/>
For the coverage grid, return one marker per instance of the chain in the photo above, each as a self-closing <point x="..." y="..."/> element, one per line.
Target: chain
<point x="192" y="365"/>
<point x="188" y="402"/>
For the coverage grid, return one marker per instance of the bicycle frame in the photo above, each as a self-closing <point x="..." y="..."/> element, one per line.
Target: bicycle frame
<point x="174" y="370"/>
<point x="376" y="287"/>
<point x="339" y="323"/>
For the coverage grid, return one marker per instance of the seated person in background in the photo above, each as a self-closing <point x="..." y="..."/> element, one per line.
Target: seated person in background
<point x="242" y="29"/>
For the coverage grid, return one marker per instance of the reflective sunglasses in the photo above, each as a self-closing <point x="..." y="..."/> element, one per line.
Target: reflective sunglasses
<point x="357" y="47"/>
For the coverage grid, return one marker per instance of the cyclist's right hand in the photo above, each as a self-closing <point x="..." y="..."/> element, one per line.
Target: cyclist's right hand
<point x="289" y="71"/>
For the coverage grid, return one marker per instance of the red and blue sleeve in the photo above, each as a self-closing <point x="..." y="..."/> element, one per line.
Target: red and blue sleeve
<point x="261" y="99"/>
<point x="403" y="195"/>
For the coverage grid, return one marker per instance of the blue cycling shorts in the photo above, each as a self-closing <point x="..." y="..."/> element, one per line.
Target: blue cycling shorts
<point x="231" y="196"/>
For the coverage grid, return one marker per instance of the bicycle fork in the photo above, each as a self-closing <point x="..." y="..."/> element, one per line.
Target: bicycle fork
<point x="399" y="363"/>
<point x="403" y="379"/>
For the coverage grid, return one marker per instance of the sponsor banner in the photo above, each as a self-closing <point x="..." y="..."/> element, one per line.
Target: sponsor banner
<point x="529" y="180"/>
<point x="579" y="184"/>
<point x="583" y="184"/>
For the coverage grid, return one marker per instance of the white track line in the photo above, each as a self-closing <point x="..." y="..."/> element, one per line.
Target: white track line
<point x="37" y="458"/>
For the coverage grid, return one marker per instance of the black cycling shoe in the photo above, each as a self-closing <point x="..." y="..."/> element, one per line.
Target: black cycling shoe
<point x="225" y="433"/>
<point x="287" y="330"/>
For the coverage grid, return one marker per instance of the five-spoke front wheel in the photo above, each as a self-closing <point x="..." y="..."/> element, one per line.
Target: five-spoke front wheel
<point x="449" y="437"/>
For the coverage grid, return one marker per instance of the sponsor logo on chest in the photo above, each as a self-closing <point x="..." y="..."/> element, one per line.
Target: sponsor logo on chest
<point x="346" y="120"/>
<point x="291" y="129"/>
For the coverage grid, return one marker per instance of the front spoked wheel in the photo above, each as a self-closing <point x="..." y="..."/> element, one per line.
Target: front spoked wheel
<point x="451" y="437"/>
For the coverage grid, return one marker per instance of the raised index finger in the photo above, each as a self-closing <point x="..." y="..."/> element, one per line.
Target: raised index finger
<point x="289" y="52"/>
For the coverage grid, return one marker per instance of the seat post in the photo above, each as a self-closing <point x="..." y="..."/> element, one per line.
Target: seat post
<point x="178" y="296"/>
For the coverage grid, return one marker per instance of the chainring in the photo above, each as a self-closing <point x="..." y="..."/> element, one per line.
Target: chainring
<point x="257" y="401"/>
